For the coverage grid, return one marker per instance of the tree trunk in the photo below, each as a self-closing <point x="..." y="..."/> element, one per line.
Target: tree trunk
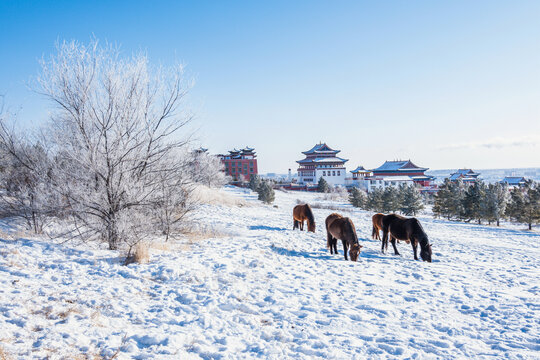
<point x="530" y="226"/>
<point x="498" y="222"/>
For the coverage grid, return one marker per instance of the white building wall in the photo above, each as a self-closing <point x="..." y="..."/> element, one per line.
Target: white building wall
<point x="328" y="175"/>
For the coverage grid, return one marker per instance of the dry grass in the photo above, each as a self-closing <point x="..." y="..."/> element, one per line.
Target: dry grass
<point x="139" y="254"/>
<point x="15" y="234"/>
<point x="4" y="355"/>
<point x="330" y="207"/>
<point x="200" y="231"/>
<point x="206" y="195"/>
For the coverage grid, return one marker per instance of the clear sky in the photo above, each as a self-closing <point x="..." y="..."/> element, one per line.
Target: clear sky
<point x="445" y="83"/>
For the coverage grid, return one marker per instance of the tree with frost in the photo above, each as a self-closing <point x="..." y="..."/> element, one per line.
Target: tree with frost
<point x="375" y="200"/>
<point x="254" y="182"/>
<point x="115" y="127"/>
<point x="524" y="205"/>
<point x="473" y="201"/>
<point x="442" y="205"/>
<point x="390" y="200"/>
<point x="357" y="198"/>
<point x="266" y="192"/>
<point x="207" y="169"/>
<point x="25" y="179"/>
<point x="411" y="201"/>
<point x="496" y="200"/>
<point x="323" y="186"/>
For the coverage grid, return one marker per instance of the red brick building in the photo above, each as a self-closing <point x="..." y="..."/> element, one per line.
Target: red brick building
<point x="240" y="164"/>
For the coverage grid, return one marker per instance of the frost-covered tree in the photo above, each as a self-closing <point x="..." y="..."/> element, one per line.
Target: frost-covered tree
<point x="473" y="202"/>
<point x="390" y="200"/>
<point x="254" y="182"/>
<point x="411" y="201"/>
<point x="266" y="192"/>
<point x="208" y="169"/>
<point x="115" y="125"/>
<point x="357" y="198"/>
<point x="375" y="200"/>
<point x="496" y="200"/>
<point x="25" y="179"/>
<point x="524" y="205"/>
<point x="323" y="186"/>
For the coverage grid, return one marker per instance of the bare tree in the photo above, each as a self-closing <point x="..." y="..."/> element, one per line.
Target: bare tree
<point x="114" y="130"/>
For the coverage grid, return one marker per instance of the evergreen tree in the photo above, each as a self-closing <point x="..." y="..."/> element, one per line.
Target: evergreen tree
<point x="357" y="198"/>
<point x="375" y="200"/>
<point x="411" y="201"/>
<point x="391" y="200"/>
<point x="473" y="202"/>
<point x="496" y="202"/>
<point x="323" y="186"/>
<point x="524" y="206"/>
<point x="254" y="182"/>
<point x="266" y="192"/>
<point x="443" y="201"/>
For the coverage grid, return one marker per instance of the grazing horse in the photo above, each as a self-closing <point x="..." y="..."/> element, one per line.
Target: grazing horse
<point x="301" y="213"/>
<point x="377" y="226"/>
<point x="402" y="228"/>
<point x="342" y="228"/>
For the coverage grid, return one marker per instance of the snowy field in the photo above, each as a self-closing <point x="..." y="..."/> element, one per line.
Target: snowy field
<point x="261" y="290"/>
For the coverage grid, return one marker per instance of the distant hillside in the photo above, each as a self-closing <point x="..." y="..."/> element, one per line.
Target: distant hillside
<point x="491" y="175"/>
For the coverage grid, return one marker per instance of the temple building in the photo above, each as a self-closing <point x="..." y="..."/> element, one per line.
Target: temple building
<point x="514" y="181"/>
<point x="404" y="171"/>
<point x="240" y="164"/>
<point x="322" y="161"/>
<point x="466" y="175"/>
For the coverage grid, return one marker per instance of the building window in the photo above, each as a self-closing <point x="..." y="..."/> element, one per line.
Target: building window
<point x="333" y="173"/>
<point x="324" y="173"/>
<point x="338" y="173"/>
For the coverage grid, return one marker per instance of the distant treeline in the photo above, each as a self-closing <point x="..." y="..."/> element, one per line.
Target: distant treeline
<point x="405" y="199"/>
<point x="488" y="202"/>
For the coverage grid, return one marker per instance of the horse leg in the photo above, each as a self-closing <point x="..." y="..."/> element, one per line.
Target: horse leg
<point x="329" y="241"/>
<point x="295" y="225"/>
<point x="302" y="225"/>
<point x="414" y="247"/>
<point x="334" y="244"/>
<point x="345" y="248"/>
<point x="393" y="240"/>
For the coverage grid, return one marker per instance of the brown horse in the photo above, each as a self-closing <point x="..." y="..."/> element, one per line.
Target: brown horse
<point x="402" y="228"/>
<point x="301" y="213"/>
<point x="342" y="228"/>
<point x="377" y="226"/>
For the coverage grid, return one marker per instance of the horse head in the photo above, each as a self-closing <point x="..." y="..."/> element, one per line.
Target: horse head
<point x="425" y="252"/>
<point x="311" y="226"/>
<point x="354" y="251"/>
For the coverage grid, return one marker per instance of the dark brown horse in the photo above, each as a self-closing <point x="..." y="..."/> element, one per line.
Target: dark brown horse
<point x="402" y="228"/>
<point x="301" y="213"/>
<point x="377" y="226"/>
<point x="342" y="228"/>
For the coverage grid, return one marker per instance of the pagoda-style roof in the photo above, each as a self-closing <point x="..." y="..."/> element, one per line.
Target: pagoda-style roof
<point x="322" y="160"/>
<point x="360" y="169"/>
<point x="464" y="174"/>
<point x="514" y="180"/>
<point x="405" y="166"/>
<point x="321" y="148"/>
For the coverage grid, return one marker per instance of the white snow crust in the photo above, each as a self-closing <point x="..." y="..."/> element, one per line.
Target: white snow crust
<point x="262" y="290"/>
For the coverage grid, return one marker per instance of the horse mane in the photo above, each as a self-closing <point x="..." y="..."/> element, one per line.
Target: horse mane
<point x="419" y="230"/>
<point x="309" y="214"/>
<point x="352" y="229"/>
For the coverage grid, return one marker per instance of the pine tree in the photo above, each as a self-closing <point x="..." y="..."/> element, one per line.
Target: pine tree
<point x="473" y="202"/>
<point x="497" y="197"/>
<point x="375" y="200"/>
<point x="391" y="200"/>
<point x="266" y="192"/>
<point x="443" y="202"/>
<point x="411" y="201"/>
<point x="323" y="186"/>
<point x="357" y="198"/>
<point x="254" y="182"/>
<point x="524" y="206"/>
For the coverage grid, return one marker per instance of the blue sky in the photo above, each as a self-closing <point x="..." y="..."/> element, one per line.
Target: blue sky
<point x="446" y="84"/>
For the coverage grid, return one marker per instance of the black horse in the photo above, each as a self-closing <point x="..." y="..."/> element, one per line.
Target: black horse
<point x="408" y="229"/>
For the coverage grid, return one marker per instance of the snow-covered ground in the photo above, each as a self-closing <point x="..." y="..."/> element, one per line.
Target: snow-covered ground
<point x="262" y="290"/>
